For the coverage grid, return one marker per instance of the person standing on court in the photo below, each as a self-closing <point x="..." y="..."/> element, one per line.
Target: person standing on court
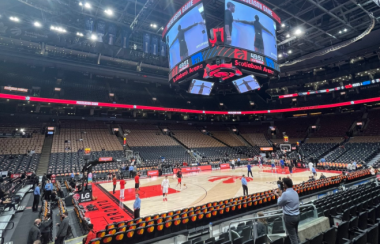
<point x="131" y="171"/>
<point x="122" y="183"/>
<point x="289" y="201"/>
<point x="114" y="183"/>
<point x="244" y="184"/>
<point x="249" y="169"/>
<point x="36" y="200"/>
<point x="282" y="162"/>
<point x="137" y="182"/>
<point x="233" y="164"/>
<point x="165" y="188"/>
<point x="137" y="206"/>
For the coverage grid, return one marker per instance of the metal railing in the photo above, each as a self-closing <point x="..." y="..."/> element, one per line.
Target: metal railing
<point x="268" y="214"/>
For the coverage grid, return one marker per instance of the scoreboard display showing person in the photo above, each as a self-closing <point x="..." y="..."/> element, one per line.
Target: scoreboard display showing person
<point x="250" y="29"/>
<point x="188" y="35"/>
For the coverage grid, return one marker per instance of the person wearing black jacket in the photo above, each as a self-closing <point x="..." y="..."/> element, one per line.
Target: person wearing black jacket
<point x="45" y="229"/>
<point x="62" y="230"/>
<point x="34" y="232"/>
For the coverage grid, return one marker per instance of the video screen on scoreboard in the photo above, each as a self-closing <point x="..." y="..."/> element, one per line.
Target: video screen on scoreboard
<point x="250" y="29"/>
<point x="187" y="36"/>
<point x="200" y="87"/>
<point x="246" y="84"/>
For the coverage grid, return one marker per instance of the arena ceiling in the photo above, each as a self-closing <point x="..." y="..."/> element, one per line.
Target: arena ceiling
<point x="323" y="22"/>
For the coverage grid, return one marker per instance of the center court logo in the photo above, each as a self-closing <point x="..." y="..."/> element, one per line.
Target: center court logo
<point x="228" y="179"/>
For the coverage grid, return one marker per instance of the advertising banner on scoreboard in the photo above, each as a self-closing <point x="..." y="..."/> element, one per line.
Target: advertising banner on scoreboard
<point x="243" y="60"/>
<point x="225" y="166"/>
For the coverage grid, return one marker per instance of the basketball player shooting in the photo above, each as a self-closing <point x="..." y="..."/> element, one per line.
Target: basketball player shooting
<point x="259" y="42"/>
<point x="165" y="188"/>
<point x="183" y="51"/>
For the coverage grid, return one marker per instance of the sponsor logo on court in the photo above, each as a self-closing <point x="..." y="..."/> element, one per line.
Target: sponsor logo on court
<point x="228" y="179"/>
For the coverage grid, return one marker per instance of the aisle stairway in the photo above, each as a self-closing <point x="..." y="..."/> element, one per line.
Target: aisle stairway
<point x="45" y="155"/>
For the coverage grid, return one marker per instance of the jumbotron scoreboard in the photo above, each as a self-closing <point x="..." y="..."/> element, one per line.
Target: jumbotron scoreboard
<point x="240" y="51"/>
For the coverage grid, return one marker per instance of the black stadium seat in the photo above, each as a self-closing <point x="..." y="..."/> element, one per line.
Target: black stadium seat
<point x="329" y="237"/>
<point x="316" y="239"/>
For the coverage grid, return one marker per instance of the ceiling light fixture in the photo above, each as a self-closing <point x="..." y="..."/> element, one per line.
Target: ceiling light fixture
<point x="37" y="24"/>
<point x="298" y="32"/>
<point x="290" y="51"/>
<point x="79" y="34"/>
<point x="93" y="37"/>
<point x="15" y="19"/>
<point x="287" y="35"/>
<point x="109" y="12"/>
<point x="87" y="5"/>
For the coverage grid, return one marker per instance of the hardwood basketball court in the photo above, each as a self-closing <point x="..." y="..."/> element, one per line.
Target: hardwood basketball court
<point x="200" y="188"/>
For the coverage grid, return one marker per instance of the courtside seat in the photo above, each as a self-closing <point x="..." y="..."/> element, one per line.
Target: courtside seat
<point x="159" y="229"/>
<point x="95" y="241"/>
<point x="120" y="237"/>
<point x="107" y="239"/>
<point x="111" y="231"/>
<point x="176" y="224"/>
<point x="139" y="234"/>
<point x="168" y="227"/>
<point x="101" y="233"/>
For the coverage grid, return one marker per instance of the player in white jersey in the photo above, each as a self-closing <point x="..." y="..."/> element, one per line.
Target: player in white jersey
<point x="165" y="188"/>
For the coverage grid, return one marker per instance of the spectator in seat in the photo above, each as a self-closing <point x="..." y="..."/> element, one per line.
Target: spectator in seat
<point x="262" y="224"/>
<point x="7" y="202"/>
<point x="34" y="232"/>
<point x="349" y="167"/>
<point x="322" y="176"/>
<point x="354" y="166"/>
<point x="45" y="229"/>
<point x="91" y="234"/>
<point x="372" y="170"/>
<point x="63" y="229"/>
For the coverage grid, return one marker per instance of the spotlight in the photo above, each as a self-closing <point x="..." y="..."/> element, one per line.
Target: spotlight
<point x="93" y="37"/>
<point x="15" y="19"/>
<point x="37" y="24"/>
<point x="283" y="25"/>
<point x="153" y="26"/>
<point x="340" y="32"/>
<point x="287" y="35"/>
<point x="87" y="5"/>
<point x="280" y="55"/>
<point x="80" y="4"/>
<point x="298" y="32"/>
<point x="290" y="51"/>
<point x="79" y="34"/>
<point x="345" y="30"/>
<point x="108" y="11"/>
<point x="57" y="29"/>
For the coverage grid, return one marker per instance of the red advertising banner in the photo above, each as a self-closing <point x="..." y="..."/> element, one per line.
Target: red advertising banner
<point x="153" y="173"/>
<point x="193" y="169"/>
<point x="105" y="159"/>
<point x="14" y="176"/>
<point x="224" y="166"/>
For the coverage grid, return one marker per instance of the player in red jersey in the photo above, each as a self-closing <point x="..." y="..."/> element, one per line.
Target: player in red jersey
<point x="122" y="183"/>
<point x="179" y="178"/>
<point x="137" y="182"/>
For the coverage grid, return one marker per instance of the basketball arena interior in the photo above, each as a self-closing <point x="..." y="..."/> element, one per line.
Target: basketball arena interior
<point x="190" y="121"/>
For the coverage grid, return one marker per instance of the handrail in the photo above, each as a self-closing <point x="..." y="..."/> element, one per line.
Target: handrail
<point x="254" y="218"/>
<point x="272" y="215"/>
